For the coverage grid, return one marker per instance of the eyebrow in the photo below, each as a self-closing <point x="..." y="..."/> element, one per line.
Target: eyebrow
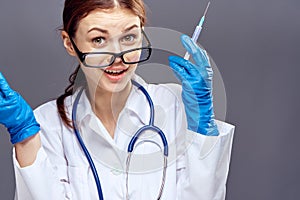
<point x="106" y="31"/>
<point x="131" y="27"/>
<point x="98" y="29"/>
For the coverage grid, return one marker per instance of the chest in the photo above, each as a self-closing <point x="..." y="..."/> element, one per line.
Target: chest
<point x="145" y="172"/>
<point x="142" y="178"/>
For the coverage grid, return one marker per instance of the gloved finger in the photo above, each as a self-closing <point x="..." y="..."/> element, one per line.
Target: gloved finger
<point x="185" y="67"/>
<point x="198" y="54"/>
<point x="202" y="58"/>
<point x="178" y="65"/>
<point x="5" y="90"/>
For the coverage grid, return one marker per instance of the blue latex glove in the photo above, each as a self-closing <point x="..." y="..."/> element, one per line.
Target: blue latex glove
<point x="15" y="114"/>
<point x="196" y="80"/>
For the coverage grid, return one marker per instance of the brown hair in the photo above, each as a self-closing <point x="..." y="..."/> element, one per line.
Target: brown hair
<point x="74" y="11"/>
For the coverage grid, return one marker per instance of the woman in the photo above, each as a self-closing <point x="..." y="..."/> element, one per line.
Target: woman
<point x="49" y="161"/>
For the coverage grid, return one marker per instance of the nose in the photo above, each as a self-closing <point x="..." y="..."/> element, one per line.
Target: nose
<point x="115" y="46"/>
<point x="118" y="59"/>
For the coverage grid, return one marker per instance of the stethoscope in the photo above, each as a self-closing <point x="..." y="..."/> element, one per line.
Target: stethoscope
<point x="131" y="145"/>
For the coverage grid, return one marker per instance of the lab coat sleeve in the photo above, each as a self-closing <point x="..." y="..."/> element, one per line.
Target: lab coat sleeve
<point x="47" y="177"/>
<point x="208" y="159"/>
<point x="39" y="180"/>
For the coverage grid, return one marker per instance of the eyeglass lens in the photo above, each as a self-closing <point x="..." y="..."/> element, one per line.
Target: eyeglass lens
<point x="129" y="57"/>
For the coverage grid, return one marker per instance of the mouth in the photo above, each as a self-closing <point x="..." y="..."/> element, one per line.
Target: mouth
<point x="115" y="72"/>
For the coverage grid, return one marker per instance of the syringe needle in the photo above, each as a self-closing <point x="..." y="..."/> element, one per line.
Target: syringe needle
<point x="197" y="31"/>
<point x="206" y="9"/>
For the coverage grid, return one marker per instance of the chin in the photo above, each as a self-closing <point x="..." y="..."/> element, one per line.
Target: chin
<point x="115" y="86"/>
<point x="112" y="79"/>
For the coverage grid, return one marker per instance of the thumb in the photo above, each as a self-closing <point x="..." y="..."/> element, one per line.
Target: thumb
<point x="198" y="54"/>
<point x="4" y="87"/>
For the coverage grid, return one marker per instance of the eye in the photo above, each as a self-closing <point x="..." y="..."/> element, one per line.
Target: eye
<point x="98" y="41"/>
<point x="129" y="38"/>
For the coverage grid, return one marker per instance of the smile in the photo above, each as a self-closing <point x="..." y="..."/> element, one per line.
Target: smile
<point x="115" y="72"/>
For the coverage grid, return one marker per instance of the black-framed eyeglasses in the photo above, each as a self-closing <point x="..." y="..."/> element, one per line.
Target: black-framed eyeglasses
<point x="104" y="59"/>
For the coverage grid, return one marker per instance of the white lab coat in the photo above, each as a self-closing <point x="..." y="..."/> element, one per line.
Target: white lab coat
<point x="197" y="167"/>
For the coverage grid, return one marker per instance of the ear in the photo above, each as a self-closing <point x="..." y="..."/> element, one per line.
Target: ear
<point x="67" y="43"/>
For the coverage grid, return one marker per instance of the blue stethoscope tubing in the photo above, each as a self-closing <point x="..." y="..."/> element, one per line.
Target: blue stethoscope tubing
<point x="86" y="152"/>
<point x="132" y="142"/>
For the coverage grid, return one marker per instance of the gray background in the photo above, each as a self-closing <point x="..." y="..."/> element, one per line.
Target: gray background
<point x="255" y="45"/>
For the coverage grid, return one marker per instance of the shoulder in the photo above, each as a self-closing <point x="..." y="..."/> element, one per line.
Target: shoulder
<point x="170" y="88"/>
<point x="47" y="115"/>
<point x="49" y="107"/>
<point x="166" y="91"/>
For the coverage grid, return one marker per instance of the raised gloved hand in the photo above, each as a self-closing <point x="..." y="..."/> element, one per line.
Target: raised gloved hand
<point x="15" y="114"/>
<point x="196" y="80"/>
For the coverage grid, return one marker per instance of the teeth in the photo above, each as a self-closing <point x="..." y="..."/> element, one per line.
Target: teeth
<point x="114" y="72"/>
<point x="109" y="71"/>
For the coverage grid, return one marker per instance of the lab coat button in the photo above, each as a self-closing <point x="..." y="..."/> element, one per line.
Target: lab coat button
<point x="115" y="172"/>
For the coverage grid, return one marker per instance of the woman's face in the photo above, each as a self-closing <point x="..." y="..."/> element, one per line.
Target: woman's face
<point x="108" y="31"/>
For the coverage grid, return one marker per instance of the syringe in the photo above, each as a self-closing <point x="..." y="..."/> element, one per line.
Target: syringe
<point x="197" y="31"/>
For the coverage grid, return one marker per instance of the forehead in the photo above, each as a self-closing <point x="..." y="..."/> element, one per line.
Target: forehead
<point x="113" y="20"/>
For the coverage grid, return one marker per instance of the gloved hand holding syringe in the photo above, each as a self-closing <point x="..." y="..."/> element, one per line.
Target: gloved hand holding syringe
<point x="196" y="80"/>
<point x="197" y="31"/>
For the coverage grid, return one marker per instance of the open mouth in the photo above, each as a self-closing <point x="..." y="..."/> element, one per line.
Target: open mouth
<point x="115" y="72"/>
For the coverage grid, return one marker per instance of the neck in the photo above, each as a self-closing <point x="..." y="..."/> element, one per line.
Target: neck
<point x="108" y="105"/>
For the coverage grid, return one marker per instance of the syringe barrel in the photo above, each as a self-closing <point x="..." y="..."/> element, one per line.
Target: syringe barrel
<point x="196" y="33"/>
<point x="194" y="38"/>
